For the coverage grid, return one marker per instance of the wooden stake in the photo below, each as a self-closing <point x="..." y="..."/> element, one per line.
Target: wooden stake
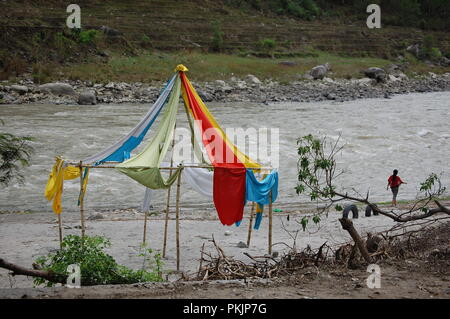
<point x="82" y="200"/>
<point x="250" y="224"/>
<point x="270" y="223"/>
<point x="166" y="222"/>
<point x="60" y="230"/>
<point x="145" y="228"/>
<point x="178" y="220"/>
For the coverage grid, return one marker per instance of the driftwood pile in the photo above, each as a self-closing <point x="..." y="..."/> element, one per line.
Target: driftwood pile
<point x="222" y="267"/>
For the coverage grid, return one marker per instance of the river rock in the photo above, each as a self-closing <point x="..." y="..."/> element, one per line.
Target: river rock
<point x="57" y="88"/>
<point x="393" y="78"/>
<point x="241" y="244"/>
<point x="241" y="85"/>
<point x="110" y="32"/>
<point x="205" y="96"/>
<point x="253" y="79"/>
<point x="222" y="86"/>
<point x="444" y="61"/>
<point x="87" y="98"/>
<point x="21" y="89"/>
<point x="7" y="99"/>
<point x="363" y="82"/>
<point x="319" y="72"/>
<point x="376" y="73"/>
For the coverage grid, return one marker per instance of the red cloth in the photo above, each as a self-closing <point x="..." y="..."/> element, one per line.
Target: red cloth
<point x="229" y="194"/>
<point x="394" y="181"/>
<point x="229" y="172"/>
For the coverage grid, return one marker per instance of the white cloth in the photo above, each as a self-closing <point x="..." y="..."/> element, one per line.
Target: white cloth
<point x="200" y="179"/>
<point x="147" y="200"/>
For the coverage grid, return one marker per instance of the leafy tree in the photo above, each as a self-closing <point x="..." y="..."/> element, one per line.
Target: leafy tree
<point x="15" y="153"/>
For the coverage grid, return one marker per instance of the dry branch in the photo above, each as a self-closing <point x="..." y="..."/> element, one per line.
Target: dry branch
<point x="18" y="270"/>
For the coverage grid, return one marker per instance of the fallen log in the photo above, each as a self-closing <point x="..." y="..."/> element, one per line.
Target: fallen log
<point x="19" y="270"/>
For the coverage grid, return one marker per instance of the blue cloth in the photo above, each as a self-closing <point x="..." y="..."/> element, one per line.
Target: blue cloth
<point x="258" y="191"/>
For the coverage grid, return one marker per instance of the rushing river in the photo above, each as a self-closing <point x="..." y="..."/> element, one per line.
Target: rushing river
<point x="408" y="132"/>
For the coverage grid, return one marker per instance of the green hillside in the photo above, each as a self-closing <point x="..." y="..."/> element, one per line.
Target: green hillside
<point x="35" y="39"/>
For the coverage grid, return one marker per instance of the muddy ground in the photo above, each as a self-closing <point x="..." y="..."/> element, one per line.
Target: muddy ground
<point x="415" y="267"/>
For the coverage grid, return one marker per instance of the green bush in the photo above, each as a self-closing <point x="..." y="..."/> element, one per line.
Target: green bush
<point x="217" y="40"/>
<point x="435" y="53"/>
<point x="96" y="266"/>
<point x="428" y="50"/>
<point x="268" y="44"/>
<point x="87" y="36"/>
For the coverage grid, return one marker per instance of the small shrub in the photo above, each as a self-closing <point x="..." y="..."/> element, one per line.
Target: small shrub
<point x="435" y="53"/>
<point x="96" y="266"/>
<point x="268" y="44"/>
<point x="217" y="40"/>
<point x="87" y="36"/>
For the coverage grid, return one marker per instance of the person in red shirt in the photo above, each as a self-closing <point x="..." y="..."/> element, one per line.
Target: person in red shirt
<point x="394" y="181"/>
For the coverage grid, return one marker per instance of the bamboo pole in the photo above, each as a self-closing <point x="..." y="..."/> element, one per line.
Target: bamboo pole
<point x="82" y="200"/>
<point x="178" y="220"/>
<point x="270" y="223"/>
<point x="60" y="230"/>
<point x="173" y="168"/>
<point x="166" y="221"/>
<point x="144" y="239"/>
<point x="250" y="224"/>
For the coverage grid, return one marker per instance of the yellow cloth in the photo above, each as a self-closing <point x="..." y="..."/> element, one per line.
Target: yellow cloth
<point x="55" y="183"/>
<point x="181" y="68"/>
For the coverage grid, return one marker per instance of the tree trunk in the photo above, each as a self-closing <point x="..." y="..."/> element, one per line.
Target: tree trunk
<point x="347" y="224"/>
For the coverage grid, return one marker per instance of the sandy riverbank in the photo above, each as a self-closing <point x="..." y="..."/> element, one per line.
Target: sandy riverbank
<point x="25" y="236"/>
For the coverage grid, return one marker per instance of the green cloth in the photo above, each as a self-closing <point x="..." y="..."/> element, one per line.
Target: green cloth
<point x="144" y="167"/>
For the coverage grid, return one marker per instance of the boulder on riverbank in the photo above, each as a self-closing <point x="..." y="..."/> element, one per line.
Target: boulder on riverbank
<point x="376" y="73"/>
<point x="57" y="88"/>
<point x="21" y="89"/>
<point x="87" y="98"/>
<point x="319" y="72"/>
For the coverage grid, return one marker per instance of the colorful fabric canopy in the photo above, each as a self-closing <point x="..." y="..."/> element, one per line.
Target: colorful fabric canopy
<point x="231" y="183"/>
<point x="145" y="167"/>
